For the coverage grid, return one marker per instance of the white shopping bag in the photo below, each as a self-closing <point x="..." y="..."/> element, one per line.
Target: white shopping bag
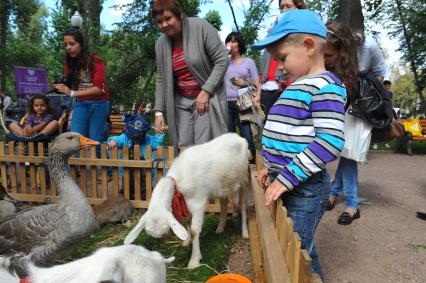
<point x="357" y="138"/>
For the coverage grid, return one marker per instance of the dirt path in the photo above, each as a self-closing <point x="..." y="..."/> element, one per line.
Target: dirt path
<point x="388" y="243"/>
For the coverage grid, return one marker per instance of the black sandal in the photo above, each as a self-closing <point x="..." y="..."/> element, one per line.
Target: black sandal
<point x="345" y="218"/>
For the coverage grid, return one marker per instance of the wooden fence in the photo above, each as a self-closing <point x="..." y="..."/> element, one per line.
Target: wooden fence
<point x="24" y="173"/>
<point x="276" y="248"/>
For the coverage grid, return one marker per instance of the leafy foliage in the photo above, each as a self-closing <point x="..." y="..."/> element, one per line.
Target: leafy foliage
<point x="213" y="17"/>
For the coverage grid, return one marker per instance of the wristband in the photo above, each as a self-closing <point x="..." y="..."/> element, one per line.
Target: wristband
<point x="72" y="93"/>
<point x="158" y="113"/>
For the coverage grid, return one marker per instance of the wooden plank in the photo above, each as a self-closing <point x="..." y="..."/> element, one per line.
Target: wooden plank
<point x="104" y="173"/>
<point x="290" y="262"/>
<point x="3" y="168"/>
<point x="289" y="229"/>
<point x="305" y="267"/>
<point x="297" y="253"/>
<point x="273" y="259"/>
<point x="115" y="182"/>
<point x="159" y="155"/>
<point x="12" y="168"/>
<point x="93" y="173"/>
<point x="273" y="210"/>
<point x="255" y="249"/>
<point x="22" y="168"/>
<point x="33" y="179"/>
<point x="148" y="174"/>
<point x="83" y="175"/>
<point x="126" y="176"/>
<point x="137" y="173"/>
<point x="280" y="229"/>
<point x="42" y="170"/>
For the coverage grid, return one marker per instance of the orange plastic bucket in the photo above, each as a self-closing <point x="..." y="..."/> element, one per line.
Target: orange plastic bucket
<point x="229" y="278"/>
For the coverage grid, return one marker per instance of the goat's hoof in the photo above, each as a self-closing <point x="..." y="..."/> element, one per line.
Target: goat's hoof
<point x="193" y="264"/>
<point x="220" y="230"/>
<point x="245" y="235"/>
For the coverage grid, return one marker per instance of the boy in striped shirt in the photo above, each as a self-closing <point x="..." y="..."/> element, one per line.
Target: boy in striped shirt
<point x="304" y="128"/>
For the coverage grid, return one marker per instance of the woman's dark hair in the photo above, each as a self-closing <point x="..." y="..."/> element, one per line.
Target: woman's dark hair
<point x="46" y="101"/>
<point x="83" y="61"/>
<point x="239" y="38"/>
<point x="300" y="4"/>
<point x="174" y="6"/>
<point x="340" y="36"/>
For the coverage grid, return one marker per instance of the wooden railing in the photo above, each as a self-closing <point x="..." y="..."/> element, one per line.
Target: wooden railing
<point x="24" y="173"/>
<point x="276" y="248"/>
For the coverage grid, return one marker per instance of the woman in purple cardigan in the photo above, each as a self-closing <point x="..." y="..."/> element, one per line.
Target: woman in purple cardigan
<point x="241" y="70"/>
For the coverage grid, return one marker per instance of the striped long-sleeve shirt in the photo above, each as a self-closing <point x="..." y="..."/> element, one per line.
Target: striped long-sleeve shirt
<point x="304" y="128"/>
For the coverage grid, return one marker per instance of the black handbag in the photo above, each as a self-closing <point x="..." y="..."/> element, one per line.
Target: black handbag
<point x="372" y="103"/>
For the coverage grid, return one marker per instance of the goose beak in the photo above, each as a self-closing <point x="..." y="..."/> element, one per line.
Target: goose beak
<point x="85" y="142"/>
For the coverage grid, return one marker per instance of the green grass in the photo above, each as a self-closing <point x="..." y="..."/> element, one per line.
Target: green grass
<point x="215" y="248"/>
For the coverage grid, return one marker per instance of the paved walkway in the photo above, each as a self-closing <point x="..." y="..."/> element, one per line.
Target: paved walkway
<point x="388" y="243"/>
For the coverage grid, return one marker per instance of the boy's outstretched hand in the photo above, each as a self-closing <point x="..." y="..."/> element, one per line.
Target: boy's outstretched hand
<point x="262" y="178"/>
<point x="112" y="144"/>
<point x="274" y="191"/>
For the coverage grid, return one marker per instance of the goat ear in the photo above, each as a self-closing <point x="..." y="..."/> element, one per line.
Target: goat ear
<point x="177" y="228"/>
<point x="135" y="231"/>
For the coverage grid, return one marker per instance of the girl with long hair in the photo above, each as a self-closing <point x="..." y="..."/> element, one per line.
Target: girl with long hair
<point x="341" y="58"/>
<point x="85" y="73"/>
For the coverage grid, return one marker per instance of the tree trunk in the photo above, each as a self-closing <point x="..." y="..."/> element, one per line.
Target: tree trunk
<point x="350" y="13"/>
<point x="4" y="17"/>
<point x="410" y="55"/>
<point x="233" y="15"/>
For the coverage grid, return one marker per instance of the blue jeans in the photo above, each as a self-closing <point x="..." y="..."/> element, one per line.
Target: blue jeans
<point x="346" y="179"/>
<point x="245" y="128"/>
<point x="306" y="205"/>
<point x="89" y="117"/>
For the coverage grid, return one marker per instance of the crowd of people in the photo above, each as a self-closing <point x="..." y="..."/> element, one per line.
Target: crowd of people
<point x="305" y="86"/>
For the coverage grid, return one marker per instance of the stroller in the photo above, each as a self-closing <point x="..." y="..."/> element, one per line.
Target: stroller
<point x="62" y="106"/>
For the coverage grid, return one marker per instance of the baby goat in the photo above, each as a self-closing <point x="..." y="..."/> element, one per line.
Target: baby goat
<point x="121" y="264"/>
<point x="201" y="172"/>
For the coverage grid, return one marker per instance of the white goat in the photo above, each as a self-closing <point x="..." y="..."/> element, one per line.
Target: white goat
<point x="204" y="171"/>
<point x="121" y="264"/>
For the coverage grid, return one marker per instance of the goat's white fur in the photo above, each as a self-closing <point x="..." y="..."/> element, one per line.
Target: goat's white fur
<point x="201" y="172"/>
<point x="121" y="264"/>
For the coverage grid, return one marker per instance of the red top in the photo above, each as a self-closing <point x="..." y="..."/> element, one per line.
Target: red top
<point x="98" y="78"/>
<point x="273" y="65"/>
<point x="185" y="82"/>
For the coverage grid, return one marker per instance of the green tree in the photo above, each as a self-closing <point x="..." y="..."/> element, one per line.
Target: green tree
<point x="404" y="90"/>
<point x="410" y="28"/>
<point x="22" y="29"/>
<point x="130" y="52"/>
<point x="213" y="17"/>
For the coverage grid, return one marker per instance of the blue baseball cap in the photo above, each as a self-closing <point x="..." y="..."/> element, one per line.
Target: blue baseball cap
<point x="136" y="127"/>
<point x="293" y="21"/>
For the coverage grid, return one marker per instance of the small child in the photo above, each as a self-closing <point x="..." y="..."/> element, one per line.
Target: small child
<point x="135" y="132"/>
<point x="304" y="128"/>
<point x="38" y="122"/>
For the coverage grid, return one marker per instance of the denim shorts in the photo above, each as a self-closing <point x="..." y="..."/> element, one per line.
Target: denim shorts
<point x="306" y="205"/>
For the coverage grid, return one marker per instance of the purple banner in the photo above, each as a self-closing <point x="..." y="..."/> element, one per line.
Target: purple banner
<point x="30" y="81"/>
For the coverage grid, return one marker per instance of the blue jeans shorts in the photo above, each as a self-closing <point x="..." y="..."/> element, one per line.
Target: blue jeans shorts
<point x="306" y="205"/>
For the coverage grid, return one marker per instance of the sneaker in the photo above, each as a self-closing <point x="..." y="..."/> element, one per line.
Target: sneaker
<point x="387" y="145"/>
<point x="375" y="146"/>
